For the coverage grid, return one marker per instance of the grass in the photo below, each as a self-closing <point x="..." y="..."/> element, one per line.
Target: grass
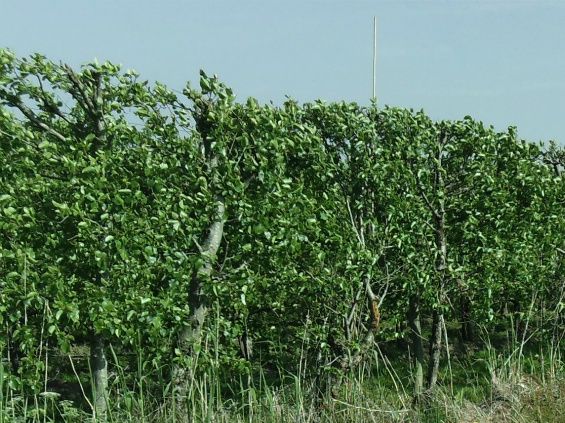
<point x="506" y="381"/>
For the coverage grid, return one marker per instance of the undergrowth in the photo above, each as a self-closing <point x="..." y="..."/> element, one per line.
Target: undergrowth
<point x="513" y="382"/>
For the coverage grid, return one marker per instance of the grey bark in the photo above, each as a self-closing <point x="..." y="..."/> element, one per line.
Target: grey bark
<point x="440" y="265"/>
<point x="437" y="325"/>
<point x="99" y="369"/>
<point x="350" y="362"/>
<point x="191" y="334"/>
<point x="88" y="94"/>
<point x="435" y="350"/>
<point x="439" y="217"/>
<point x="92" y="101"/>
<point x="417" y="344"/>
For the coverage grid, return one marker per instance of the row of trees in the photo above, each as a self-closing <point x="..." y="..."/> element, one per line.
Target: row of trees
<point x="130" y="214"/>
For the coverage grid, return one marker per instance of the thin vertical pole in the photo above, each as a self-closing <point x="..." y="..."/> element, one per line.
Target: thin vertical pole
<point x="374" y="58"/>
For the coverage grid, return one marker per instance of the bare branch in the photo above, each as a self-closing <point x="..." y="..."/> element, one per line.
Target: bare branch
<point x="14" y="100"/>
<point x="423" y="194"/>
<point x="383" y="295"/>
<point x="48" y="104"/>
<point x="79" y="91"/>
<point x="361" y="241"/>
<point x="351" y="315"/>
<point x="361" y="228"/>
<point x="427" y="201"/>
<point x="370" y="294"/>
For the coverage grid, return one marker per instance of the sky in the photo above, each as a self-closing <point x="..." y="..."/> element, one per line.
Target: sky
<point x="499" y="61"/>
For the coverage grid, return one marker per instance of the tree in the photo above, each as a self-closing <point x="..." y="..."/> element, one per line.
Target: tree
<point x="106" y="207"/>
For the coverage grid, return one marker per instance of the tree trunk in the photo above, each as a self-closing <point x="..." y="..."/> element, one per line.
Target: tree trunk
<point x="191" y="334"/>
<point x="467" y="334"/>
<point x="417" y="345"/>
<point x="369" y="339"/>
<point x="99" y="368"/>
<point x="439" y="215"/>
<point x="435" y="349"/>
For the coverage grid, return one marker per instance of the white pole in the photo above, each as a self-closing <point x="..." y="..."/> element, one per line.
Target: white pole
<point x="374" y="58"/>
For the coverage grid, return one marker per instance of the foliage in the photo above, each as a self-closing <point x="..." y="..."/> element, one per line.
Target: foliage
<point x="108" y="189"/>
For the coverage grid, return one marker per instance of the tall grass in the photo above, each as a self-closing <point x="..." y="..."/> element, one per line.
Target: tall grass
<point x="512" y="380"/>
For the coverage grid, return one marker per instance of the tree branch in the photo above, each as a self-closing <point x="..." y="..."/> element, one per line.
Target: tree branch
<point x="359" y="237"/>
<point x="48" y="103"/>
<point x="15" y="101"/>
<point x="79" y="92"/>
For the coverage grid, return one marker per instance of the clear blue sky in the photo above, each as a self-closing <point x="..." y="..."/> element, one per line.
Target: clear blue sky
<point x="501" y="61"/>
